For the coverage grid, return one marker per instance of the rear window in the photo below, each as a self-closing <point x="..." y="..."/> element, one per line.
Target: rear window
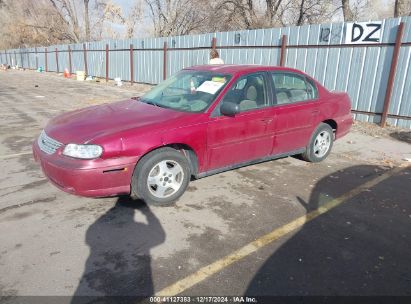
<point x="291" y="88"/>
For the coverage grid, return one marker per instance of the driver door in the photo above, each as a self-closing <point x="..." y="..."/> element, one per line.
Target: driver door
<point x="242" y="138"/>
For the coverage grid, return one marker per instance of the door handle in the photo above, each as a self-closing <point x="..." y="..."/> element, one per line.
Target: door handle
<point x="315" y="111"/>
<point x="267" y="120"/>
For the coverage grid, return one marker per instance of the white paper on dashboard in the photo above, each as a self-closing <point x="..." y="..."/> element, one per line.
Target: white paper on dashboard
<point x="210" y="87"/>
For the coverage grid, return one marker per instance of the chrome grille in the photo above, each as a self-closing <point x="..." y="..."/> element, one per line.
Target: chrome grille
<point x="48" y="144"/>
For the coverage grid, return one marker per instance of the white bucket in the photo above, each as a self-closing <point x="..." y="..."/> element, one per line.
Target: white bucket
<point x="118" y="81"/>
<point x="81" y="75"/>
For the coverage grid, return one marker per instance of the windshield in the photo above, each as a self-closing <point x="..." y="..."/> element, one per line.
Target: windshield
<point x="188" y="91"/>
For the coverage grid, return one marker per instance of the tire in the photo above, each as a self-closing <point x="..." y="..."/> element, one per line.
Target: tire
<point x="320" y="144"/>
<point x="160" y="177"/>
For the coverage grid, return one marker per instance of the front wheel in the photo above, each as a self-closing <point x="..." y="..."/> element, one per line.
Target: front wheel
<point x="160" y="177"/>
<point x="320" y="144"/>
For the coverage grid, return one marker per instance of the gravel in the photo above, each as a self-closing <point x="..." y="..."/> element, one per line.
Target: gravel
<point x="375" y="130"/>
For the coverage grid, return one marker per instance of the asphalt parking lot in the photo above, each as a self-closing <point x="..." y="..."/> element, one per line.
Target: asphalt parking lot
<point x="285" y="227"/>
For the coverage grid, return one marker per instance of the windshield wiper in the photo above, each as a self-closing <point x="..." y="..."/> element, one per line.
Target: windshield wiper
<point x="154" y="103"/>
<point x="149" y="102"/>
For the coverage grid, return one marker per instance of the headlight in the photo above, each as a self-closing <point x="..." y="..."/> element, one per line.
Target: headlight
<point x="83" y="151"/>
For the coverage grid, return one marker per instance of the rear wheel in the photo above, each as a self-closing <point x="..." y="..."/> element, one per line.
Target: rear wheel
<point x="320" y="144"/>
<point x="161" y="177"/>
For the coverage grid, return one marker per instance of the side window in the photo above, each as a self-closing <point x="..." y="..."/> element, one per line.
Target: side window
<point x="248" y="92"/>
<point x="311" y="89"/>
<point x="290" y="88"/>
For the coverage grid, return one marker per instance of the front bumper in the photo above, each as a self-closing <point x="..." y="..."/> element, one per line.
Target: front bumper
<point x="92" y="178"/>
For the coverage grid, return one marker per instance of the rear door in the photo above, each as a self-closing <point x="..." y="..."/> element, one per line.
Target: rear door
<point x="242" y="138"/>
<point x="296" y="109"/>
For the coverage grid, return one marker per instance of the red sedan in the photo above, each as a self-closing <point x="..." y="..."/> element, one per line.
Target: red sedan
<point x="201" y="121"/>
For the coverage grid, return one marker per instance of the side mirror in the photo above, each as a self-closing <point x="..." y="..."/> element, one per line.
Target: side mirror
<point x="229" y="108"/>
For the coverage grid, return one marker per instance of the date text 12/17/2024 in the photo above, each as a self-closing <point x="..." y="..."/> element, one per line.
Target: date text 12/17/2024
<point x="203" y="299"/>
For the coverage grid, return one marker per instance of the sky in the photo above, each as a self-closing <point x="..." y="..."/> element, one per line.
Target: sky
<point x="140" y="32"/>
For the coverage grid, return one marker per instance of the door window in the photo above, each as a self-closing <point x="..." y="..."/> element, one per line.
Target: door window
<point x="291" y="88"/>
<point x="249" y="92"/>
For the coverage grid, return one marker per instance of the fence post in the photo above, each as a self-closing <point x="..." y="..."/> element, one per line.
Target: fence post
<point x="28" y="60"/>
<point x="214" y="43"/>
<point x="165" y="60"/>
<point x="283" y="53"/>
<point x="15" y="58"/>
<point x="45" y="53"/>
<point x="37" y="59"/>
<point x="107" y="62"/>
<point x="69" y="58"/>
<point x="5" y="54"/>
<point x="85" y="59"/>
<point x="21" y="59"/>
<point x="57" y="60"/>
<point x="131" y="64"/>
<point x="391" y="76"/>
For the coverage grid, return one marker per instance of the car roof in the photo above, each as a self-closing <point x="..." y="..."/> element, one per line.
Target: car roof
<point x="239" y="68"/>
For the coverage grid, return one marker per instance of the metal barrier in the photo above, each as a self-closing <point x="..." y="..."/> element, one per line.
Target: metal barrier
<point x="376" y="74"/>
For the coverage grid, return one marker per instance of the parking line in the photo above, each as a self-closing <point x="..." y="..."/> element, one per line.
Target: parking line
<point x="213" y="268"/>
<point x="14" y="155"/>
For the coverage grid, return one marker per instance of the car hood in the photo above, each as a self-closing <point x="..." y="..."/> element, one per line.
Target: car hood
<point x="84" y="125"/>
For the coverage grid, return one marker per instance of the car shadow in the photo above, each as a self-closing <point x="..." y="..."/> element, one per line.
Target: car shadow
<point x="119" y="263"/>
<point x="404" y="136"/>
<point x="361" y="247"/>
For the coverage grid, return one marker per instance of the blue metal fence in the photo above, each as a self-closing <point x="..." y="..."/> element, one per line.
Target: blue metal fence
<point x="360" y="70"/>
